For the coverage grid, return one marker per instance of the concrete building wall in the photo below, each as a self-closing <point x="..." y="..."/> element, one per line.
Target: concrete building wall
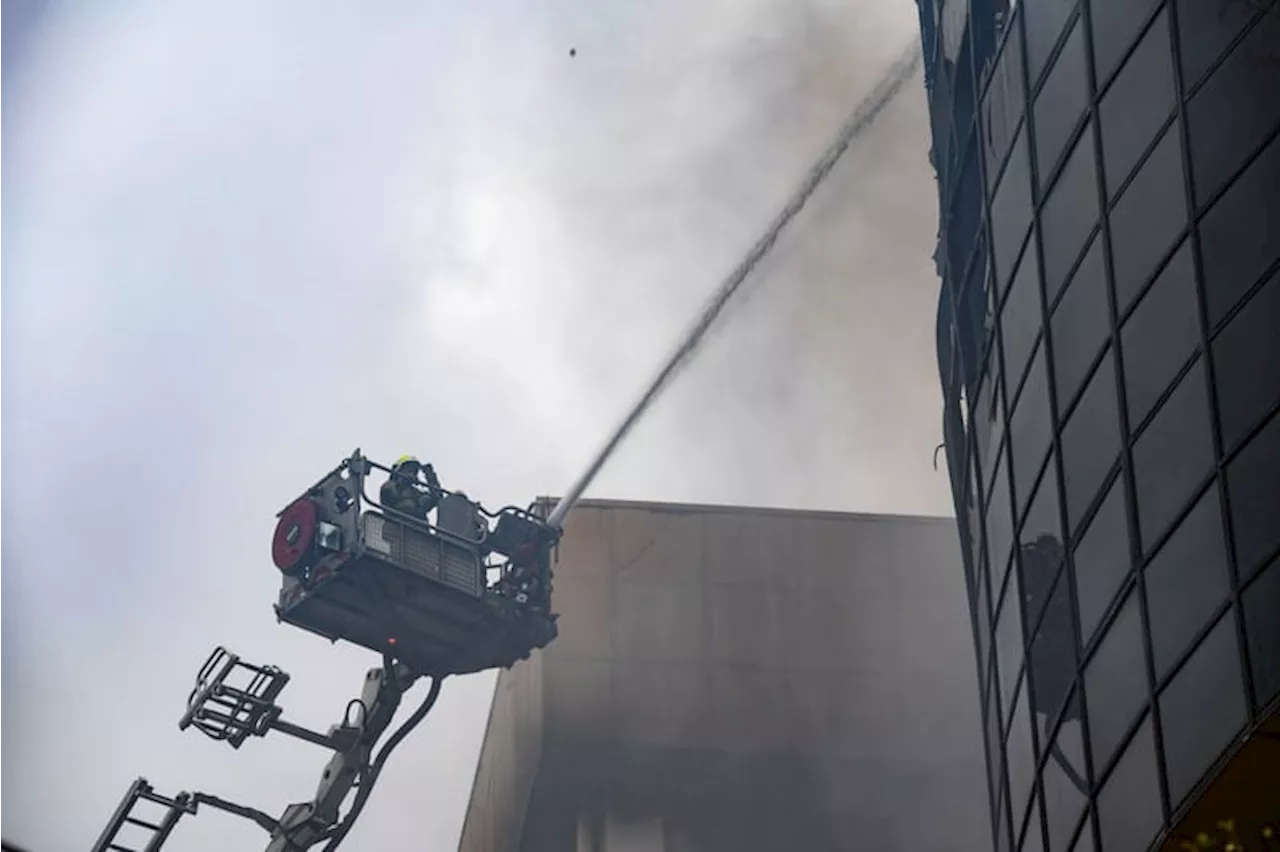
<point x="509" y="761"/>
<point x="755" y="679"/>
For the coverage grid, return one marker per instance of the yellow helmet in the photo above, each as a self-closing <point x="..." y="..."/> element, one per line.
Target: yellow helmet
<point x="406" y="461"/>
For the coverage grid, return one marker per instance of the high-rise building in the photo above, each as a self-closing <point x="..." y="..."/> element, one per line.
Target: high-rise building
<point x="741" y="679"/>
<point x="1109" y="349"/>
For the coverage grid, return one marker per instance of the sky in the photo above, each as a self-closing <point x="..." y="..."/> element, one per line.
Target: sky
<point x="242" y="239"/>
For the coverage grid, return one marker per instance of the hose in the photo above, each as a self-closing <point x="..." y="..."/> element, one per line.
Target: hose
<point x="370" y="775"/>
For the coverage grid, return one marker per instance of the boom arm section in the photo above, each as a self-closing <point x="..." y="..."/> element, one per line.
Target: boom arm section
<point x="228" y="711"/>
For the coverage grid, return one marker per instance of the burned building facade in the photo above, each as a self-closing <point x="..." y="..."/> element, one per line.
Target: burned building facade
<point x="1109" y="246"/>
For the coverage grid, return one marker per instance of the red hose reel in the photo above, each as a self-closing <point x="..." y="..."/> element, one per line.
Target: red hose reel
<point x="293" y="545"/>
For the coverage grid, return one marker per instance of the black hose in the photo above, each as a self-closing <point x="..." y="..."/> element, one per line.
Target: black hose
<point x="370" y="775"/>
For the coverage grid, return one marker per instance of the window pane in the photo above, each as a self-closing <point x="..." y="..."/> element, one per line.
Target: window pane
<point x="1022" y="758"/>
<point x="1149" y="217"/>
<point x="1205" y="30"/>
<point x="1202" y="709"/>
<point x="1002" y="822"/>
<point x="1115" y="682"/>
<point x="1237" y="107"/>
<point x="1011" y="209"/>
<point x="1186" y="581"/>
<point x="1160" y="335"/>
<point x="1020" y="320"/>
<point x="1044" y="21"/>
<point x="1247" y="363"/>
<point x="989" y="424"/>
<point x="1262" y="621"/>
<point x="1003" y="107"/>
<point x="1061" y="102"/>
<point x="1129" y="803"/>
<point x="1137" y="103"/>
<point x="1172" y="456"/>
<point x="1033" y="837"/>
<point x="1053" y="650"/>
<point x="984" y="620"/>
<point x="1116" y="23"/>
<point x="1030" y="428"/>
<point x="1041" y="517"/>
<point x="1081" y="324"/>
<point x="1069" y="213"/>
<point x="995" y="759"/>
<point x="1064" y="781"/>
<point x="1240" y="235"/>
<point x="1009" y="639"/>
<point x="1102" y="560"/>
<point x="999" y="527"/>
<point x="1091" y="440"/>
<point x="1084" y="841"/>
<point x="1253" y="480"/>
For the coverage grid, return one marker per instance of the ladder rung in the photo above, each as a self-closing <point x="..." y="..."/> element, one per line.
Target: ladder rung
<point x="142" y="823"/>
<point x="116" y="848"/>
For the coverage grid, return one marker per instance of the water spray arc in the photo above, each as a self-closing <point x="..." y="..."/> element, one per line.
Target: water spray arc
<point x="867" y="111"/>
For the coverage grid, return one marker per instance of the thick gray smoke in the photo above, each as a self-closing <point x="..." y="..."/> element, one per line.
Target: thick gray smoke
<point x="857" y="124"/>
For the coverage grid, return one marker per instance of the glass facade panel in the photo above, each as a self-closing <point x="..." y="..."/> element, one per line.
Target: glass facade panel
<point x="1009" y="639"/>
<point x="1115" y="682"/>
<point x="1033" y="837"/>
<point x="1031" y="427"/>
<point x="1116" y="23"/>
<point x="1011" y="209"/>
<point x="1064" y="780"/>
<point x="1022" y="758"/>
<point x="1102" y="560"/>
<point x="1149" y="217"/>
<point x="1187" y="582"/>
<point x="1061" y="102"/>
<point x="999" y="528"/>
<point x="1080" y="325"/>
<point x="1044" y="22"/>
<point x="1240" y="235"/>
<point x="1003" y="105"/>
<point x="1262" y="625"/>
<point x="1137" y="104"/>
<point x="1129" y="802"/>
<point x="1041" y="518"/>
<point x="1172" y="456"/>
<point x="1204" y="32"/>
<point x="1160" y="335"/>
<point x="1084" y="842"/>
<point x="1253" y="483"/>
<point x="1070" y="213"/>
<point x="1020" y="319"/>
<point x="995" y="740"/>
<point x="1246" y="359"/>
<point x="1202" y="709"/>
<point x="1053" y="650"/>
<point x="1090" y="440"/>
<point x="1236" y="109"/>
<point x="983" y="607"/>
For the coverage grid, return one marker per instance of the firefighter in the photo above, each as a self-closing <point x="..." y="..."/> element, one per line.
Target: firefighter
<point x="412" y="488"/>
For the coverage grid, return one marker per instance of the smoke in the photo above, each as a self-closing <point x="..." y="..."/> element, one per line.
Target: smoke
<point x="858" y="124"/>
<point x="242" y="239"/>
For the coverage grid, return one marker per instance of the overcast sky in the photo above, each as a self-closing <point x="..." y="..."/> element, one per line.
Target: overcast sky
<point x="241" y="239"/>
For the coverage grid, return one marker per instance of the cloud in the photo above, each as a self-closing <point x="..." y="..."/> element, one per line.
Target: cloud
<point x="243" y="239"/>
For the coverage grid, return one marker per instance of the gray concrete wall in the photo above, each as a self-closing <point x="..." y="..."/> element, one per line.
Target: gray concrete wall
<point x="755" y="679"/>
<point x="509" y="760"/>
